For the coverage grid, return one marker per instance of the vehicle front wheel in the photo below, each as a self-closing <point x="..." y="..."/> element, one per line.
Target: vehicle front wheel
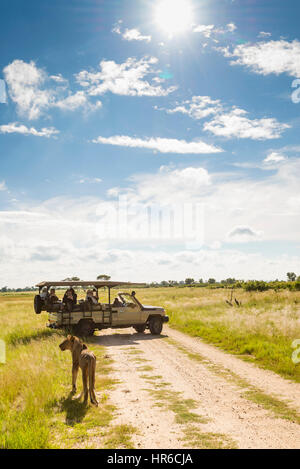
<point x="85" y="328"/>
<point x="155" y="325"/>
<point x="140" y="328"/>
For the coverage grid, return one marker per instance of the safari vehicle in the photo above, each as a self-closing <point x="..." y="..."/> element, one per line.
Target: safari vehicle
<point x="85" y="317"/>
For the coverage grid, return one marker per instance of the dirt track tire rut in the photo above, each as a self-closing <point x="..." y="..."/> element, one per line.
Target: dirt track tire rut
<point x="218" y="401"/>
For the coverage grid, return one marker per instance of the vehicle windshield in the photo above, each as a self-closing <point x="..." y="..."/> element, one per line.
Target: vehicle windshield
<point x="126" y="298"/>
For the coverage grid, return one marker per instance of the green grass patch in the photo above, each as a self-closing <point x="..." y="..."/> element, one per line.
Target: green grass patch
<point x="145" y="368"/>
<point x="120" y="437"/>
<point x="135" y="352"/>
<point x="202" y="440"/>
<point x="277" y="407"/>
<point x="151" y="377"/>
<point x="181" y="407"/>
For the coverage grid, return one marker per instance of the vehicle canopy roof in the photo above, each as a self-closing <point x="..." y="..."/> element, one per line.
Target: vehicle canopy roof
<point x="94" y="283"/>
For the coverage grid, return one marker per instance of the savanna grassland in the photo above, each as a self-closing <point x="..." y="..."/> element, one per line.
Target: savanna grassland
<point x="36" y="410"/>
<point x="262" y="329"/>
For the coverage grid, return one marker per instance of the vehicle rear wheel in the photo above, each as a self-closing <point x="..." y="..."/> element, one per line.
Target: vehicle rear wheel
<point x="155" y="325"/>
<point x="85" y="328"/>
<point x="38" y="304"/>
<point x="140" y="328"/>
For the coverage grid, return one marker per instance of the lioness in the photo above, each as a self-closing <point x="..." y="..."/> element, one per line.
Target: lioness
<point x="86" y="360"/>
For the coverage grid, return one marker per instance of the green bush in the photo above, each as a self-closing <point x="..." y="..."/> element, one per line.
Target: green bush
<point x="256" y="285"/>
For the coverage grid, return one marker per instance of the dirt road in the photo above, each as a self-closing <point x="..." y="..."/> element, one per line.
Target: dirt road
<point x="180" y="392"/>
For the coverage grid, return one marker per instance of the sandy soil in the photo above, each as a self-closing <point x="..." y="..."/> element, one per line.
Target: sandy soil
<point x="218" y="400"/>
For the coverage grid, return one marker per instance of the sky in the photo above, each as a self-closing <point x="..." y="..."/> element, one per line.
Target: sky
<point x="149" y="140"/>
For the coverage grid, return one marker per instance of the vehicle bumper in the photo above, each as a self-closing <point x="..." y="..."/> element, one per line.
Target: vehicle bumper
<point x="165" y="318"/>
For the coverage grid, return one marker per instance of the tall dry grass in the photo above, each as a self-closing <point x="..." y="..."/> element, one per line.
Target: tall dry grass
<point x="36" y="410"/>
<point x="261" y="330"/>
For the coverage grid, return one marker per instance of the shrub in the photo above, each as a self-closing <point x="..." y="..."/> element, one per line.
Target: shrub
<point x="256" y="285"/>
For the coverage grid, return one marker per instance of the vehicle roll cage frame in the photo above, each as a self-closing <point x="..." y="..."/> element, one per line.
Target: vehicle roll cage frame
<point x="93" y="283"/>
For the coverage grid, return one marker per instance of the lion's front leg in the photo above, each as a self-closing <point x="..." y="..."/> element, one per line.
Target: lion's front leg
<point x="74" y="376"/>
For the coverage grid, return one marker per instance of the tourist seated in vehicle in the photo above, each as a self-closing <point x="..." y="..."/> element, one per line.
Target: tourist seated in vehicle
<point x="70" y="299"/>
<point x="91" y="297"/>
<point x="117" y="302"/>
<point x="90" y="301"/>
<point x="52" y="297"/>
<point x="70" y="295"/>
<point x="44" y="294"/>
<point x="95" y="294"/>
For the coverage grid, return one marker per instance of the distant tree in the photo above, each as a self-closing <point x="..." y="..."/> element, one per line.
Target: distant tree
<point x="4" y="289"/>
<point x="189" y="281"/>
<point x="172" y="283"/>
<point x="72" y="279"/>
<point x="211" y="281"/>
<point x="229" y="281"/>
<point x="153" y="284"/>
<point x="200" y="280"/>
<point x="164" y="283"/>
<point x="103" y="277"/>
<point x="291" y="276"/>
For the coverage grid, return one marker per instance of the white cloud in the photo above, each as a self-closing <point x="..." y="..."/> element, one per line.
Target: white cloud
<point x="228" y="122"/>
<point x="187" y="183"/>
<point x="163" y="145"/>
<point x="75" y="101"/>
<point x="89" y="180"/>
<point x="48" y="258"/>
<point x="198" y="107"/>
<point x="243" y="234"/>
<point x="205" y="29"/>
<point x="72" y="102"/>
<point x="264" y="34"/>
<point x="15" y="127"/>
<point x="130" y="34"/>
<point x="274" y="157"/>
<point x="24" y="82"/>
<point x="229" y="200"/>
<point x="49" y="234"/>
<point x="31" y="89"/>
<point x="135" y="35"/>
<point x="113" y="192"/>
<point x="58" y="78"/>
<point x="236" y="124"/>
<point x="231" y="27"/>
<point x="3" y="186"/>
<point x="127" y="78"/>
<point x="268" y="57"/>
<point x="209" y="30"/>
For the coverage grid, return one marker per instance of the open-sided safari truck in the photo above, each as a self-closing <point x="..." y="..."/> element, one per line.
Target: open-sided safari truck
<point x="85" y="316"/>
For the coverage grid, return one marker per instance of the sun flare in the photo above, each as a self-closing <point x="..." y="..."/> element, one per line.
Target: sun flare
<point x="174" y="16"/>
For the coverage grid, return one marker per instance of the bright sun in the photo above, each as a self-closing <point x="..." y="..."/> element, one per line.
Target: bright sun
<point x="173" y="16"/>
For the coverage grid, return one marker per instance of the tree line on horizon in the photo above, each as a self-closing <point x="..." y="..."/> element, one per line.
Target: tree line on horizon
<point x="292" y="283"/>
